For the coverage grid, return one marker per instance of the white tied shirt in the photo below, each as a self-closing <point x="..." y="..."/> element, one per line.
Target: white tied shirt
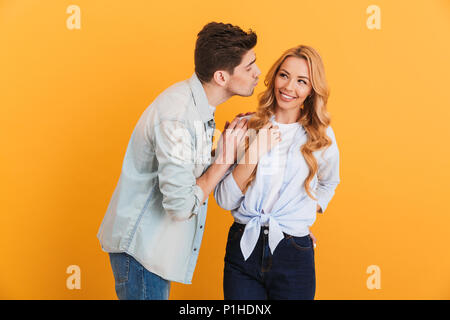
<point x="277" y="197"/>
<point x="274" y="166"/>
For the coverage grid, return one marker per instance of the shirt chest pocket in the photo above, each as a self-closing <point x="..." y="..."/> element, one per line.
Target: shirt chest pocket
<point x="202" y="156"/>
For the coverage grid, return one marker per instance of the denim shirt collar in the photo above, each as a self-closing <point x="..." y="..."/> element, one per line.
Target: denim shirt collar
<point x="200" y="99"/>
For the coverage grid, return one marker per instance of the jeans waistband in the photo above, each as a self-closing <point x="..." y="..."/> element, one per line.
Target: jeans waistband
<point x="267" y="228"/>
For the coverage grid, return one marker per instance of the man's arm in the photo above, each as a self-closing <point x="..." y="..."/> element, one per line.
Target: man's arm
<point x="181" y="196"/>
<point x="208" y="181"/>
<point x="225" y="157"/>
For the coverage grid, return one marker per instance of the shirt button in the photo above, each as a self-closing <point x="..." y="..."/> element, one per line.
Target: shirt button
<point x="266" y="231"/>
<point x="201" y="227"/>
<point x="195" y="249"/>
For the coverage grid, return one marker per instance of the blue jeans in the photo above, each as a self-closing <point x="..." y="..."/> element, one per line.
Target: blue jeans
<point x="288" y="273"/>
<point x="134" y="282"/>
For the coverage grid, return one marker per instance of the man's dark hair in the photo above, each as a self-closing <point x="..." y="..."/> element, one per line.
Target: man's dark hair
<point x="221" y="47"/>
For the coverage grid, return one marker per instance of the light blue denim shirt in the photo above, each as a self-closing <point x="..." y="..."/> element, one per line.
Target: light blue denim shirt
<point x="155" y="213"/>
<point x="294" y="211"/>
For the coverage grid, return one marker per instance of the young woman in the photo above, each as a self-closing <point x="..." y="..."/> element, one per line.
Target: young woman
<point x="274" y="199"/>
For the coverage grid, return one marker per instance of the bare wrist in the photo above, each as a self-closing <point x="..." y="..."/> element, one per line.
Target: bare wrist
<point x="220" y="165"/>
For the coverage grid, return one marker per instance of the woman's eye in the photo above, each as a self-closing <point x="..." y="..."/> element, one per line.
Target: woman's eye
<point x="283" y="75"/>
<point x="300" y="81"/>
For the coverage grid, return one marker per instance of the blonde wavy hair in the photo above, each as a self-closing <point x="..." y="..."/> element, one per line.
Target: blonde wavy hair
<point x="313" y="115"/>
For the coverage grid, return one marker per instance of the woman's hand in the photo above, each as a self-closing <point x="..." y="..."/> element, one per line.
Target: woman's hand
<point x="313" y="238"/>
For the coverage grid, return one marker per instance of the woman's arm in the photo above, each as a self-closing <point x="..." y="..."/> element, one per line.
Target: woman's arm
<point x="328" y="173"/>
<point x="244" y="169"/>
<point x="227" y="194"/>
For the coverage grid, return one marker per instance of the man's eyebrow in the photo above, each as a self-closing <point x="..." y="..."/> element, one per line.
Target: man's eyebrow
<point x="290" y="74"/>
<point x="251" y="63"/>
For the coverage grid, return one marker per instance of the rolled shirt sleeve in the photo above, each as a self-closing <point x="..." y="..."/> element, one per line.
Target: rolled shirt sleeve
<point x="175" y="154"/>
<point x="328" y="172"/>
<point x="227" y="193"/>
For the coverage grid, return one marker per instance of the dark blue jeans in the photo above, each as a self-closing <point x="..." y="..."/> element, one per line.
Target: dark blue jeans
<point x="134" y="282"/>
<point x="288" y="273"/>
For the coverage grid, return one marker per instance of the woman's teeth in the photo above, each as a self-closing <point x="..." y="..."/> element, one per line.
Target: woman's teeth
<point x="287" y="97"/>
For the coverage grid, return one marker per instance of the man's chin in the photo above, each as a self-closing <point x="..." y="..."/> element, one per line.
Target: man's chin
<point x="241" y="93"/>
<point x="248" y="94"/>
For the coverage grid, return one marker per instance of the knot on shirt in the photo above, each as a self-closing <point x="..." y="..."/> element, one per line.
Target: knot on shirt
<point x="264" y="219"/>
<point x="253" y="229"/>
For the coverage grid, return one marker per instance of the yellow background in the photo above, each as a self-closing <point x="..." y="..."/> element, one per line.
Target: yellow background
<point x="71" y="98"/>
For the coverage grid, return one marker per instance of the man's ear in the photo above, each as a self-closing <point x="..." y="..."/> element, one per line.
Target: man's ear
<point x="221" y="77"/>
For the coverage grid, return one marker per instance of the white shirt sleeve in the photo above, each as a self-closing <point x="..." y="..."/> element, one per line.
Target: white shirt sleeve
<point x="227" y="193"/>
<point x="328" y="172"/>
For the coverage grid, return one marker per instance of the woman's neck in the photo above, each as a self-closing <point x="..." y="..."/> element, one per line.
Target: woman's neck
<point x="286" y="116"/>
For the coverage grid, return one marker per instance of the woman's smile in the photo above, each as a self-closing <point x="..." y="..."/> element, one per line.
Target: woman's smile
<point x="286" y="97"/>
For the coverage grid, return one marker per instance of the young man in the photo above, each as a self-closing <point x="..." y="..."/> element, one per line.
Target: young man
<point x="154" y="223"/>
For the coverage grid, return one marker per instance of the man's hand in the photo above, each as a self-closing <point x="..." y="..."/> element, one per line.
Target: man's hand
<point x="229" y="141"/>
<point x="244" y="114"/>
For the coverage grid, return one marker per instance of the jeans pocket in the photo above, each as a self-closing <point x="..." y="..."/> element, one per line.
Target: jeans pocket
<point x="301" y="243"/>
<point x="120" y="263"/>
<point x="235" y="232"/>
